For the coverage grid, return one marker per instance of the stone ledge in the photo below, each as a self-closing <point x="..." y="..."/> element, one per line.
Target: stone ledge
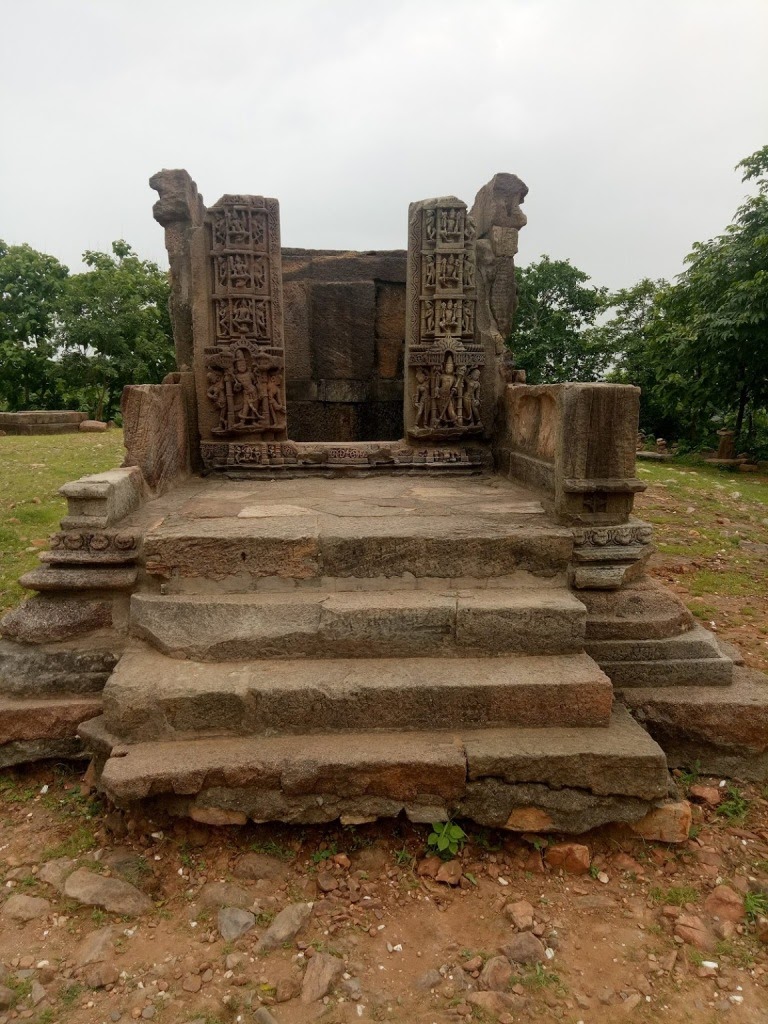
<point x="340" y="696"/>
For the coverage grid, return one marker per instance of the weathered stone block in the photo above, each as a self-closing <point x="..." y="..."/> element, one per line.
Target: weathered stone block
<point x="156" y="432"/>
<point x="343" y="329"/>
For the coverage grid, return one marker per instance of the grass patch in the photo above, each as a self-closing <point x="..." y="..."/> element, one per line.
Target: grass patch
<point x="79" y="842"/>
<point x="756" y="905"/>
<point x="675" y="896"/>
<point x="736" y="807"/>
<point x="31" y="471"/>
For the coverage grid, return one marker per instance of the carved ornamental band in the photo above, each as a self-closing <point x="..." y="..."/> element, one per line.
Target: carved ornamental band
<point x="443" y="354"/>
<point x="244" y="368"/>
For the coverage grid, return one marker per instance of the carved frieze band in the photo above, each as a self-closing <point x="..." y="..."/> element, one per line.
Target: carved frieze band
<point x="265" y="455"/>
<point x="245" y="367"/>
<point x="628" y="542"/>
<point x="93" y="547"/>
<point x="444" y="356"/>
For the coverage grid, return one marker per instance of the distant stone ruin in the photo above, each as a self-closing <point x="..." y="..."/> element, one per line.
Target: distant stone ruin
<point x="353" y="566"/>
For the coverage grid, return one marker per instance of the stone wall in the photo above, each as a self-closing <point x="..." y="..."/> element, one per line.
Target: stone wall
<point x="344" y="318"/>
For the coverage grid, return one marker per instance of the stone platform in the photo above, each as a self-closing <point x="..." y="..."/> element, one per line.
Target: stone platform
<point x="48" y="421"/>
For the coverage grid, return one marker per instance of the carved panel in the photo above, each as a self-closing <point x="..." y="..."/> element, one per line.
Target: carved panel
<point x="444" y="357"/>
<point x="244" y="385"/>
<point x="371" y="455"/>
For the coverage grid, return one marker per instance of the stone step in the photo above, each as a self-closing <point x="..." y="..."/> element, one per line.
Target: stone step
<point x="151" y="697"/>
<point x="37" y="728"/>
<point x="693" y="658"/>
<point x="640" y="611"/>
<point x="339" y="625"/>
<point x="558" y="779"/>
<point x="308" y="546"/>
<point x="718" y="730"/>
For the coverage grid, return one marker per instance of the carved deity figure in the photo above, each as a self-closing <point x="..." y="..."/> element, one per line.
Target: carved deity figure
<point x="249" y="411"/>
<point x="257" y="230"/>
<point x="259" y="275"/>
<point x="222" y="319"/>
<point x="428" y="317"/>
<point x="421" y="398"/>
<point x="261" y="320"/>
<point x="468" y="318"/>
<point x="429" y="225"/>
<point x="237" y="225"/>
<point x="445" y="392"/>
<point x="242" y="317"/>
<point x="429" y="271"/>
<point x="448" y="316"/>
<point x="217" y="393"/>
<point x="274" y="390"/>
<point x="471" y="398"/>
<point x="469" y="272"/>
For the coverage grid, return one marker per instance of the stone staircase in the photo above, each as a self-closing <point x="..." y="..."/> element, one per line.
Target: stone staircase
<point x="360" y="666"/>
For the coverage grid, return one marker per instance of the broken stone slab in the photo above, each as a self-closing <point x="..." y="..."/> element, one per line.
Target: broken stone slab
<point x="725" y="729"/>
<point x="28" y="751"/>
<point x="113" y="894"/>
<point x="44" y="718"/>
<point x="47" y="619"/>
<point x="55" y="872"/>
<point x="104" y="498"/>
<point x="392" y="765"/>
<point x="373" y="624"/>
<point x="51" y="669"/>
<point x="524" y="948"/>
<point x="78" y="577"/>
<point x="620" y="760"/>
<point x="333" y="695"/>
<point x="667" y="822"/>
<point x="643" y="610"/>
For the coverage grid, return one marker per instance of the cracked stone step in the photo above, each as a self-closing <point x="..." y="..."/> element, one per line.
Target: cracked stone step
<point x="152" y="697"/>
<point x="722" y="729"/>
<point x="302" y="547"/>
<point x="583" y="777"/>
<point x="693" y="658"/>
<point x="400" y="624"/>
<point x="35" y="728"/>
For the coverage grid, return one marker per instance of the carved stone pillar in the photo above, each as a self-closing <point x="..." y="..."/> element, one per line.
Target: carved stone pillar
<point x="241" y="381"/>
<point x="227" y="310"/>
<point x="444" y="361"/>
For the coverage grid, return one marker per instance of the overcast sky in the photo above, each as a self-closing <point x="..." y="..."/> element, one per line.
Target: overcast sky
<point x="624" y="117"/>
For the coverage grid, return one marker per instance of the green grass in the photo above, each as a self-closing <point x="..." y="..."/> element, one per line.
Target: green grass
<point x="31" y="471"/>
<point x="675" y="896"/>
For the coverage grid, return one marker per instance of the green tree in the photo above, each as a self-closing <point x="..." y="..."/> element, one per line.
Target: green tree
<point x="115" y="328"/>
<point x="709" y="337"/>
<point x="628" y="333"/>
<point x="31" y="293"/>
<point x="554" y="337"/>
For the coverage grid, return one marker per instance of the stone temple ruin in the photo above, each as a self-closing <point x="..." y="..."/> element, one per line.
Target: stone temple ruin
<point x="354" y="566"/>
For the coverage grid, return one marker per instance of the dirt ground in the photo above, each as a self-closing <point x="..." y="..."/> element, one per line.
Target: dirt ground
<point x="609" y="933"/>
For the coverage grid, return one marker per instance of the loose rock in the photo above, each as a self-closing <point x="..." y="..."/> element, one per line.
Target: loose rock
<point x="725" y="904"/>
<point x="285" y="926"/>
<point x="571" y="857"/>
<point x="525" y="948"/>
<point x="449" y="872"/>
<point x="321" y="974"/>
<point x="115" y="895"/>
<point x="520" y="914"/>
<point x="25" y="908"/>
<point x="234" y="922"/>
<point x="496" y="974"/>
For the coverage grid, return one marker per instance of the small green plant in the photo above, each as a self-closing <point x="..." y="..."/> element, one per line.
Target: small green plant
<point x="690" y="776"/>
<point x="675" y="896"/>
<point x="447" y="838"/>
<point x="80" y="841"/>
<point x="539" y="977"/>
<point x="755" y="905"/>
<point x="325" y="854"/>
<point x="735" y="807"/>
<point x="594" y="871"/>
<point x="403" y="857"/>
<point x="272" y="848"/>
<point x="98" y="917"/>
<point x="265" y="918"/>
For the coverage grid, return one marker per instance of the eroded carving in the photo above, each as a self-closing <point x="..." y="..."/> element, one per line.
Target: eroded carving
<point x="244" y="369"/>
<point x="444" y="357"/>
